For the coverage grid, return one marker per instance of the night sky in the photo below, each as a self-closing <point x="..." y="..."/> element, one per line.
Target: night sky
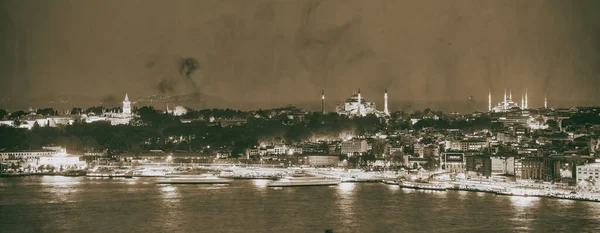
<point x="286" y="51"/>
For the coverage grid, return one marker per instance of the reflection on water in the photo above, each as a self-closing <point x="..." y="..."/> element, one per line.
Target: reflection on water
<point x="261" y="185"/>
<point x="523" y="202"/>
<point x="345" y="202"/>
<point x="407" y="190"/>
<point x="169" y="193"/>
<point x="37" y="204"/>
<point x="522" y="211"/>
<point x="61" y="188"/>
<point x="393" y="187"/>
<point x="346" y="188"/>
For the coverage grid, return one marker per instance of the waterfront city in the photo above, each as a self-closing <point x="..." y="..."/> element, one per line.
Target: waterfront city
<point x="299" y="116"/>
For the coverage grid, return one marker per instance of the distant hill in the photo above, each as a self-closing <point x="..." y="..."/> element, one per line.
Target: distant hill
<point x="56" y="101"/>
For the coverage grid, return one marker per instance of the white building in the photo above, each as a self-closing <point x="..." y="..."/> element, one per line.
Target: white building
<point x="62" y="160"/>
<point x="321" y="161"/>
<point x="589" y="173"/>
<point x="115" y="118"/>
<point x="356" y="105"/>
<point x="355" y="146"/>
<point x="507" y="104"/>
<point x="178" y="110"/>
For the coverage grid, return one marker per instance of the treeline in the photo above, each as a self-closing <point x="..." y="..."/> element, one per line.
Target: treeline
<point x="156" y="130"/>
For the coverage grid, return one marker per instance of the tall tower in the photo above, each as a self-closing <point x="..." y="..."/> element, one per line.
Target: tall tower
<point x="359" y="112"/>
<point x="323" y="101"/>
<point x="126" y="105"/>
<point x="510" y="96"/>
<point x="505" y="103"/>
<point x="489" y="100"/>
<point x="523" y="106"/>
<point x="385" y="103"/>
<point x="545" y="101"/>
<point x="526" y="101"/>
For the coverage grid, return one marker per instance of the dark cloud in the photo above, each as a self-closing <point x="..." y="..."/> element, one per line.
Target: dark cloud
<point x="187" y="66"/>
<point x="109" y="99"/>
<point x="166" y="86"/>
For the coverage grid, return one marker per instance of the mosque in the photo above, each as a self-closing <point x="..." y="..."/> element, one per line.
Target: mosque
<point x="356" y="105"/>
<point x="115" y="118"/>
<point x="507" y="104"/>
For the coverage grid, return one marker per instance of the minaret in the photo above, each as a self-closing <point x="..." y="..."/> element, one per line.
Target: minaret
<point x="359" y="104"/>
<point x="522" y="101"/>
<point x="505" y="103"/>
<point x="526" y="101"/>
<point x="126" y="105"/>
<point x="510" y="96"/>
<point x="545" y="101"/>
<point x="323" y="101"/>
<point x="489" y="100"/>
<point x="385" y="104"/>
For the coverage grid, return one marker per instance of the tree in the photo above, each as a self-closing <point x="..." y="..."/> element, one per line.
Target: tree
<point x="76" y="111"/>
<point x="45" y="111"/>
<point x="3" y="113"/>
<point x="34" y="141"/>
<point x="16" y="115"/>
<point x="552" y="124"/>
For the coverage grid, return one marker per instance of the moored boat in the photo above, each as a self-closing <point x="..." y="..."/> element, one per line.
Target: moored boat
<point x="390" y="182"/>
<point x="110" y="174"/>
<point x="424" y="186"/>
<point x="150" y="172"/>
<point x="304" y="181"/>
<point x="194" y="180"/>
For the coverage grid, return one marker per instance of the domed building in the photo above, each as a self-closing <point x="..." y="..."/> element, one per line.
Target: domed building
<point x="507" y="104"/>
<point x="178" y="111"/>
<point x="355" y="105"/>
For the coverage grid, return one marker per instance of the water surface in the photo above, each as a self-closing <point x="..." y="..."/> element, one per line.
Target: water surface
<point x="81" y="204"/>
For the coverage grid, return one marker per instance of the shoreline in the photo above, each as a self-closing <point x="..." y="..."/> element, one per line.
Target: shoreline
<point x="443" y="186"/>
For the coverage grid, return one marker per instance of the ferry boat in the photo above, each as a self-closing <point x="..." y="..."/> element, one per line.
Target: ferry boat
<point x="110" y="174"/>
<point x="361" y="179"/>
<point x="390" y="182"/>
<point x="424" y="186"/>
<point x="522" y="191"/>
<point x="303" y="181"/>
<point x="202" y="179"/>
<point x="150" y="172"/>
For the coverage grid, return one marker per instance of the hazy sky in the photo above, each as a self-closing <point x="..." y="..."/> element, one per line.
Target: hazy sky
<point x="288" y="50"/>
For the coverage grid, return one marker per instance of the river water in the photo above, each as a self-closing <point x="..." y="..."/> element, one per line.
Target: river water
<point x="81" y="204"/>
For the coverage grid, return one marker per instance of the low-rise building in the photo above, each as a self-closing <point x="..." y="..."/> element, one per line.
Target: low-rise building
<point x="354" y="147"/>
<point x="454" y="162"/>
<point x="589" y="173"/>
<point x="321" y="161"/>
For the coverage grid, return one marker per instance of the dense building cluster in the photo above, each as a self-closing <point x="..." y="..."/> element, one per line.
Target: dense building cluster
<point x="544" y="144"/>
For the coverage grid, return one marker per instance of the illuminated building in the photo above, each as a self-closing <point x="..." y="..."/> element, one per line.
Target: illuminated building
<point x="126" y="105"/>
<point x="589" y="173"/>
<point x="321" y="161"/>
<point x="356" y="105"/>
<point x="115" y="118"/>
<point x="505" y="106"/>
<point x="354" y="147"/>
<point x="454" y="162"/>
<point x="177" y="111"/>
<point x="61" y="159"/>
